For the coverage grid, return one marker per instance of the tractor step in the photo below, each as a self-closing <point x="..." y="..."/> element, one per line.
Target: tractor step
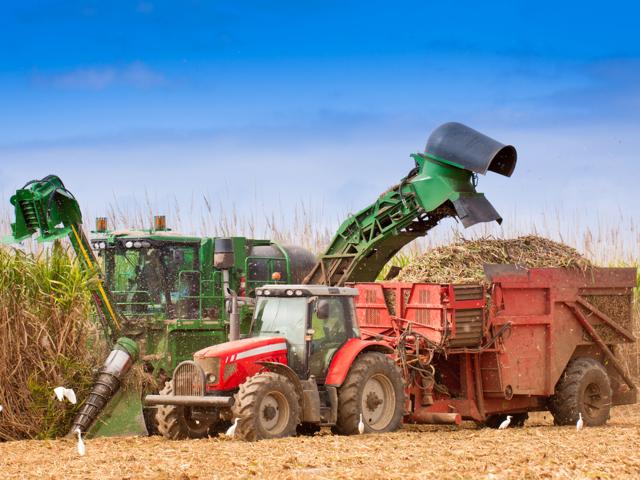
<point x="188" y="400"/>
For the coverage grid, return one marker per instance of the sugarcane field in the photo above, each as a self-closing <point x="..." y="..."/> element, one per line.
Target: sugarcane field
<point x="331" y="240"/>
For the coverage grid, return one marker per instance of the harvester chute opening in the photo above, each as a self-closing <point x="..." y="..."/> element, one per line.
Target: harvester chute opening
<point x="467" y="148"/>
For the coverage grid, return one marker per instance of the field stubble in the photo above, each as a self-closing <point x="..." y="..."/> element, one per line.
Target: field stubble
<point x="539" y="450"/>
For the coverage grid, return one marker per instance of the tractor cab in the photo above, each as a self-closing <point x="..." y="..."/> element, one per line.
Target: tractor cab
<point x="152" y="275"/>
<point x="315" y="321"/>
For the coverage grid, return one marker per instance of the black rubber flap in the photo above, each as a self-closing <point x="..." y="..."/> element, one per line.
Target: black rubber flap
<point x="471" y="149"/>
<point x="475" y="208"/>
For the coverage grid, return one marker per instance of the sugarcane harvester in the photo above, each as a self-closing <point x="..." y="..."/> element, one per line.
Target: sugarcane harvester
<point x="160" y="295"/>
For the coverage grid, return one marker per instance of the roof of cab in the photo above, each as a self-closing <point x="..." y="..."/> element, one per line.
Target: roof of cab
<point x="307" y="290"/>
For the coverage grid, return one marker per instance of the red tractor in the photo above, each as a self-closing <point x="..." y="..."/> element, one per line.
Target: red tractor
<point x="303" y="366"/>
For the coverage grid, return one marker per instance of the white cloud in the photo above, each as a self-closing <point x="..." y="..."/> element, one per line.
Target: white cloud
<point x="136" y="74"/>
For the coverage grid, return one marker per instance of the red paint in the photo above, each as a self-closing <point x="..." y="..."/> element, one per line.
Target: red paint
<point x="244" y="367"/>
<point x="518" y="372"/>
<point x="343" y="359"/>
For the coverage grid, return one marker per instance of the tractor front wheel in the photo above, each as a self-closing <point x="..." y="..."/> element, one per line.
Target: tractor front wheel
<point x="175" y="422"/>
<point x="584" y="388"/>
<point x="373" y="391"/>
<point x="266" y="406"/>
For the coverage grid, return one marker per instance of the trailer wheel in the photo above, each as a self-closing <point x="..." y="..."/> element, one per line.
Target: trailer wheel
<point x="583" y="388"/>
<point x="517" y="420"/>
<point x="375" y="389"/>
<point x="267" y="406"/>
<point x="175" y="422"/>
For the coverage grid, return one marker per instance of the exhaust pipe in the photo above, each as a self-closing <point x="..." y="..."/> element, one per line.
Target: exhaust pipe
<point x="435" y="418"/>
<point x="115" y="367"/>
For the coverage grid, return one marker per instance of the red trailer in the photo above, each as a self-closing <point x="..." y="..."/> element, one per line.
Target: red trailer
<point x="529" y="340"/>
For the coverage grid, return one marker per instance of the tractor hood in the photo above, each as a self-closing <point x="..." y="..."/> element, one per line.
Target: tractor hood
<point x="245" y="348"/>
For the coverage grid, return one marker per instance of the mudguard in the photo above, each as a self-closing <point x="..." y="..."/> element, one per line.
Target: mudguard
<point x="287" y="372"/>
<point x="343" y="359"/>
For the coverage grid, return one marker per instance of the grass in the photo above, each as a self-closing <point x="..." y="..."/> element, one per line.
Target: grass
<point x="45" y="329"/>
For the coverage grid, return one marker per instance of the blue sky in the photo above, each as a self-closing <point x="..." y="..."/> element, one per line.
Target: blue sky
<point x="267" y="104"/>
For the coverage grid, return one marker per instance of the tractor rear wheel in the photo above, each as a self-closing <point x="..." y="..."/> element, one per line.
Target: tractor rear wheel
<point x="584" y="388"/>
<point x="266" y="406"/>
<point x="374" y="389"/>
<point x="175" y="422"/>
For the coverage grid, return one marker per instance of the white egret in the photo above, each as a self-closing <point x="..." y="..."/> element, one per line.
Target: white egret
<point x="580" y="422"/>
<point x="505" y="423"/>
<point x="68" y="393"/>
<point x="231" y="431"/>
<point x="59" y="391"/>
<point x="81" y="447"/>
<point x="360" y="426"/>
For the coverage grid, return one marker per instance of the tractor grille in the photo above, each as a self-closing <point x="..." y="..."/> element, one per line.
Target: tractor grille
<point x="188" y="379"/>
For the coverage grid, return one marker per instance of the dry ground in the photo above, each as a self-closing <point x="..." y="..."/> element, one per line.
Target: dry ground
<point x="539" y="450"/>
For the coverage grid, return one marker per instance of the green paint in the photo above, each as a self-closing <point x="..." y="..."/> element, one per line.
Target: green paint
<point x="122" y="416"/>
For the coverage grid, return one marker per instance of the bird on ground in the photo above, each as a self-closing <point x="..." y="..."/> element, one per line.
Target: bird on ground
<point x="1" y="408"/>
<point x="81" y="448"/>
<point x="68" y="393"/>
<point x="505" y="423"/>
<point x="360" y="426"/>
<point x="231" y="431"/>
<point x="580" y="422"/>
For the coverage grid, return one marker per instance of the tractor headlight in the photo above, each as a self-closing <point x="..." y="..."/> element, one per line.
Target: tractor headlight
<point x="129" y="244"/>
<point x="211" y="368"/>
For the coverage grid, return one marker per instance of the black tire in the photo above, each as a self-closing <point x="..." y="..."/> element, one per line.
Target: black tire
<point x="517" y="420"/>
<point x="584" y="388"/>
<point x="266" y="406"/>
<point x="175" y="422"/>
<point x="151" y="421"/>
<point x="373" y="375"/>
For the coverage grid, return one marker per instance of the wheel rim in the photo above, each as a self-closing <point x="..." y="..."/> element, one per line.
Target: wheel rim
<point x="592" y="400"/>
<point x="378" y="402"/>
<point x="274" y="413"/>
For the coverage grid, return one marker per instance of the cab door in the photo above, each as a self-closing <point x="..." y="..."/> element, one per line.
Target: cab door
<point x="333" y="323"/>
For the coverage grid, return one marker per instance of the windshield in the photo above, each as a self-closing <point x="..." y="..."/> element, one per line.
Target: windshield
<point x="154" y="280"/>
<point x="283" y="317"/>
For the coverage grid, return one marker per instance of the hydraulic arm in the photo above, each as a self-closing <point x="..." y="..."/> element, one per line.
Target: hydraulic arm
<point x="442" y="184"/>
<point x="47" y="207"/>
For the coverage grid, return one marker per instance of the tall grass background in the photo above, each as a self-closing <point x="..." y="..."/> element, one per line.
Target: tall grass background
<point x="43" y="288"/>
